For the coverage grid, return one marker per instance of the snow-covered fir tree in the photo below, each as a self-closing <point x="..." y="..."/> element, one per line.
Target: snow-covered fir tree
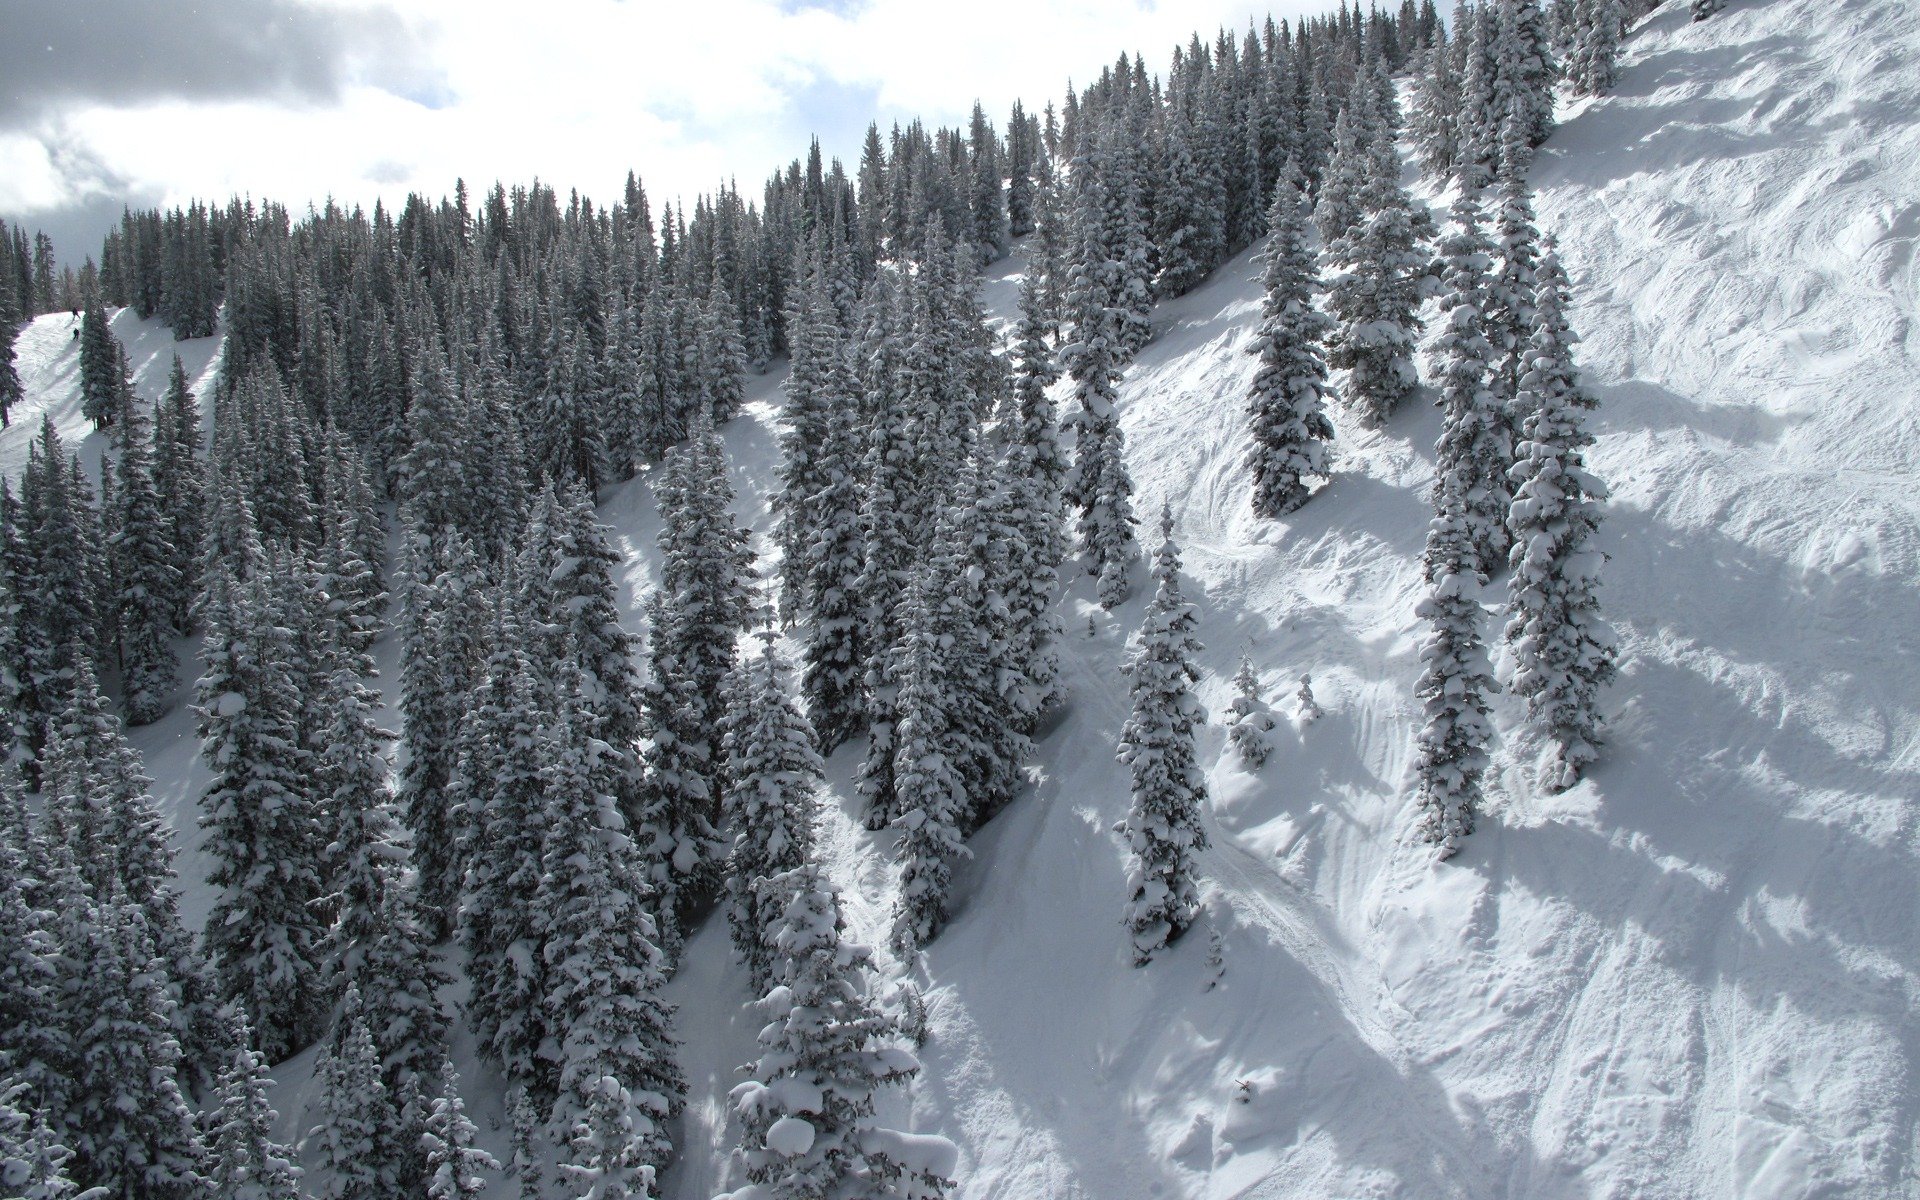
<point x="456" y="1168"/>
<point x="1250" y="722"/>
<point x="130" y="1127"/>
<point x="1455" y="678"/>
<point x="356" y="1147"/>
<point x="1473" y="453"/>
<point x="929" y="789"/>
<point x="1163" y="824"/>
<point x="263" y="832"/>
<point x="1563" y="651"/>
<point x="773" y="778"/>
<point x="1035" y="471"/>
<point x="1374" y="289"/>
<point x="836" y="652"/>
<point x="142" y="565"/>
<point x="244" y="1162"/>
<point x="806" y="1114"/>
<point x="1100" y="486"/>
<point x="33" y="1161"/>
<point x="1287" y="402"/>
<point x="499" y="923"/>
<point x="611" y="1048"/>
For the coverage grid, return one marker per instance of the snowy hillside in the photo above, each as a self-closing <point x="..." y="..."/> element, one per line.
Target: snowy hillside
<point x="1694" y="975"/>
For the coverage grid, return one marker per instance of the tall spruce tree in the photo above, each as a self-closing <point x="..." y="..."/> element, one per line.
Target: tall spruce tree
<point x="1169" y="790"/>
<point x="1455" y="678"/>
<point x="1287" y="402"/>
<point x="807" y="1112"/>
<point x="773" y="779"/>
<point x="244" y="1162"/>
<point x="145" y="576"/>
<point x="1375" y="288"/>
<point x="263" y="831"/>
<point x="456" y="1168"/>
<point x="1473" y="453"/>
<point x="1563" y="651"/>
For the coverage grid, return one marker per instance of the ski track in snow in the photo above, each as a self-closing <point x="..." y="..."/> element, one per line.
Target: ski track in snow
<point x="1692" y="976"/>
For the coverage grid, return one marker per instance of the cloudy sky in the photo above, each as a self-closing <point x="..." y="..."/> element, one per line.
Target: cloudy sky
<point x="111" y="102"/>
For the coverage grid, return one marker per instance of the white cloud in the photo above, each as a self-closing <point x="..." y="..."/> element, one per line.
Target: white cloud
<point x="578" y="91"/>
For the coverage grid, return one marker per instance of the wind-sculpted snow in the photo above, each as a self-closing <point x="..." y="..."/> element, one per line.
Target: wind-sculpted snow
<point x="1693" y="975"/>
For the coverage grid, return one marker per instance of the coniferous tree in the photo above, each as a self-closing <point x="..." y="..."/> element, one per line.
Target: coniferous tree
<point x="1374" y="291"/>
<point x="439" y="628"/>
<point x="929" y="789"/>
<point x="179" y="477"/>
<point x="1035" y="472"/>
<point x="97" y="803"/>
<point x="262" y="828"/>
<point x="243" y="1160"/>
<point x="132" y="1131"/>
<point x="358" y="1152"/>
<point x="1599" y="26"/>
<point x="103" y="380"/>
<point x="499" y="926"/>
<point x="1250" y="722"/>
<point x="1473" y="453"/>
<point x="11" y="392"/>
<point x="145" y="577"/>
<point x="1287" y="402"/>
<point x="807" y="1113"/>
<point x="1563" y="652"/>
<point x="1455" y="678"/>
<point x="1163" y="826"/>
<point x="33" y="1162"/>
<point x="456" y="1168"/>
<point x="1100" y="486"/>
<point x="773" y="777"/>
<point x="1509" y="309"/>
<point x="836" y="653"/>
<point x="615" y="1077"/>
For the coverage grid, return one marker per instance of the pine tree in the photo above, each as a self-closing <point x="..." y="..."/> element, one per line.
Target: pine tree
<point x="773" y="779"/>
<point x="97" y="802"/>
<point x="807" y="1112"/>
<point x="103" y="381"/>
<point x="263" y="832"/>
<point x="358" y="1155"/>
<point x="676" y="831"/>
<point x="1509" y="309"/>
<point x="1473" y="453"/>
<point x="1563" y="652"/>
<point x="243" y="1160"/>
<point x="1035" y="471"/>
<point x="11" y="392"/>
<point x="1287" y="401"/>
<point x="1250" y="722"/>
<point x="132" y="1131"/>
<point x="929" y="791"/>
<point x="1599" y="26"/>
<point x="1163" y="826"/>
<point x="145" y="577"/>
<point x="617" y="1080"/>
<point x="1455" y="678"/>
<point x="455" y="1166"/>
<point x="1375" y="290"/>
<point x="499" y="924"/>
<point x="836" y="652"/>
<point x="179" y="476"/>
<point x="440" y="626"/>
<point x="1100" y="486"/>
<point x="33" y="1162"/>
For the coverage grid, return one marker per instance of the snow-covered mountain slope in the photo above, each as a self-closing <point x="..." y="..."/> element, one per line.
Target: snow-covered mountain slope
<point x="1692" y="976"/>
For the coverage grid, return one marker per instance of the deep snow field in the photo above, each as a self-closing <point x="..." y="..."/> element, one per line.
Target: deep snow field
<point x="1695" y="975"/>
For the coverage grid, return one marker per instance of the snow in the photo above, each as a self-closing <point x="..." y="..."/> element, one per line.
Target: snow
<point x="791" y="1136"/>
<point x="1693" y="975"/>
